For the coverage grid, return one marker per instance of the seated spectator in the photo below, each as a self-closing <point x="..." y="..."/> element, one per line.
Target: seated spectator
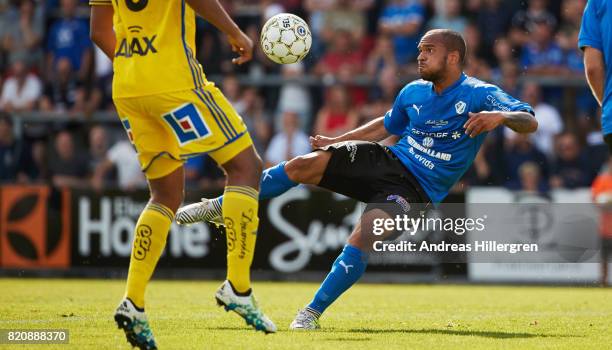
<point x="255" y="118"/>
<point x="290" y="142"/>
<point x="68" y="167"/>
<point x="502" y="49"/>
<point x="98" y="146"/>
<point x="16" y="164"/>
<point x="476" y="65"/>
<point x="448" y="17"/>
<point x="383" y="56"/>
<point x="492" y="22"/>
<point x="550" y="123"/>
<point x="381" y="96"/>
<point x="521" y="150"/>
<point x="541" y="54"/>
<point x="21" y="90"/>
<point x="402" y="20"/>
<point x="571" y="167"/>
<point x="524" y="20"/>
<point x="203" y="173"/>
<point x="23" y="34"/>
<point x="530" y="179"/>
<point x="101" y="93"/>
<point x="349" y="16"/>
<point x="342" y="59"/>
<point x="336" y="115"/>
<point x="123" y="157"/>
<point x="68" y="38"/>
<point x="64" y="93"/>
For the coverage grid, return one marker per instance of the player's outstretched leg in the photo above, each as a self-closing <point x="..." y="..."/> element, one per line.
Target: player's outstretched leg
<point x="240" y="217"/>
<point x="346" y="270"/>
<point x="149" y="242"/>
<point x="276" y="180"/>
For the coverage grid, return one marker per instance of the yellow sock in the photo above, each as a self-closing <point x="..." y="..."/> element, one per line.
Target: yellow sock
<point x="239" y="208"/>
<point x="149" y="242"/>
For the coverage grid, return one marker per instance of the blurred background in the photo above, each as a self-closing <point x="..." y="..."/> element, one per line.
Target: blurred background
<point x="59" y="131"/>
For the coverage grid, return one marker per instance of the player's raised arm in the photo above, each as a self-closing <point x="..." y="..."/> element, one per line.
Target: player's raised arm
<point x="372" y="131"/>
<point x="521" y="122"/>
<point x="212" y="11"/>
<point x="101" y="28"/>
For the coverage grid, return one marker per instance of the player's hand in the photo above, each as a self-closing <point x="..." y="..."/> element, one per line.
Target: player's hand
<point x="321" y="141"/>
<point x="242" y="45"/>
<point x="482" y="122"/>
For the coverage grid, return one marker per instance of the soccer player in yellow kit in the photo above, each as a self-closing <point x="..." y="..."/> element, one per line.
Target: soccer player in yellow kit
<point x="171" y="112"/>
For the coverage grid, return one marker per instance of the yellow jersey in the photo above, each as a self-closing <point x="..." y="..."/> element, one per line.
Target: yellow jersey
<point x="155" y="50"/>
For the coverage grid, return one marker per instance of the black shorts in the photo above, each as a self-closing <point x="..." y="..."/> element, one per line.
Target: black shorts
<point x="608" y="139"/>
<point x="371" y="173"/>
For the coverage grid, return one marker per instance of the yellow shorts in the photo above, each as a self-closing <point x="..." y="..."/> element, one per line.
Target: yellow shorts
<point x="166" y="129"/>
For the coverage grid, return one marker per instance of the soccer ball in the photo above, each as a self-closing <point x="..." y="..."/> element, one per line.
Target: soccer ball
<point x="285" y="38"/>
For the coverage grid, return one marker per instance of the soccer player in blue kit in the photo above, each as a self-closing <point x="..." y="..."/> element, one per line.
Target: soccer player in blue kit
<point x="441" y="121"/>
<point x="595" y="39"/>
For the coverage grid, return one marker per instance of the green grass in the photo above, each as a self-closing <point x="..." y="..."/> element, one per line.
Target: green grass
<point x="184" y="315"/>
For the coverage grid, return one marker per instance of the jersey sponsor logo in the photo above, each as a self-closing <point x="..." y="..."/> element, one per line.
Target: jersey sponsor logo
<point x="430" y="152"/>
<point x="456" y="135"/>
<point x="428" y="142"/>
<point x="496" y="105"/>
<point x="426" y="162"/>
<point x="137" y="46"/>
<point x="187" y="124"/>
<point x="460" y="107"/>
<point x="437" y="123"/>
<point x="436" y="135"/>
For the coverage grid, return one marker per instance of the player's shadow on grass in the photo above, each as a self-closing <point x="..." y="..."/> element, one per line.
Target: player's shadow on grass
<point x="485" y="334"/>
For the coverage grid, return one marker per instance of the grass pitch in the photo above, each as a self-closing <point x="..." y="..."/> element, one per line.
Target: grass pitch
<point x="184" y="315"/>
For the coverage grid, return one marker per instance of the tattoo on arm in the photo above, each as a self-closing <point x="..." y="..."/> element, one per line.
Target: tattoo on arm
<point x="521" y="122"/>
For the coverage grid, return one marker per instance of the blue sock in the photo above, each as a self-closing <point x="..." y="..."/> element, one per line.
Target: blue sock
<point x="346" y="270"/>
<point x="274" y="182"/>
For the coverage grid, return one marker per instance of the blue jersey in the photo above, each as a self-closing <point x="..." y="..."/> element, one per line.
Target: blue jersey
<point x="596" y="32"/>
<point x="433" y="144"/>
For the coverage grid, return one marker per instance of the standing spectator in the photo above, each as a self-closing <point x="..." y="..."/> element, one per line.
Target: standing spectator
<point x="550" y="123"/>
<point x="23" y="34"/>
<point x="336" y="116"/>
<point x="541" y="54"/>
<point x="448" y="17"/>
<point x="289" y="143"/>
<point x="403" y="20"/>
<point x="571" y="168"/>
<point x="16" y="162"/>
<point x="69" y="165"/>
<point x="69" y="38"/>
<point x="602" y="196"/>
<point x="21" y="90"/>
<point x="64" y="93"/>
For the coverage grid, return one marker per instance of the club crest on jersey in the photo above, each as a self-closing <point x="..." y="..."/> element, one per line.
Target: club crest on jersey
<point x="428" y="142"/>
<point x="187" y="124"/>
<point x="460" y="107"/>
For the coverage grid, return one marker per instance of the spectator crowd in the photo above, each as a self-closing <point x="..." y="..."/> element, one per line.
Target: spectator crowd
<point x="363" y="52"/>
